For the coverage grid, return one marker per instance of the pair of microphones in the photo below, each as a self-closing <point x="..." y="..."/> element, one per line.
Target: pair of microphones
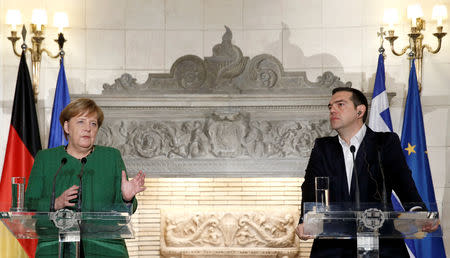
<point x="79" y="198"/>
<point x="355" y="173"/>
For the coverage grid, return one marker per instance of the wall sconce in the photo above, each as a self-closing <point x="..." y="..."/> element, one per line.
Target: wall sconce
<point x="416" y="37"/>
<point x="38" y="24"/>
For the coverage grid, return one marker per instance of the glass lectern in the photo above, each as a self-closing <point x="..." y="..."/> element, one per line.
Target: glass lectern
<point x="367" y="224"/>
<point x="68" y="226"/>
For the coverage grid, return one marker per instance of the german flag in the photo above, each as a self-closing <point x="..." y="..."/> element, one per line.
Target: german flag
<point x="23" y="144"/>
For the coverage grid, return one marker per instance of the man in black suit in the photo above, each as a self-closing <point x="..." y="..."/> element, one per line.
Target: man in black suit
<point x="332" y="157"/>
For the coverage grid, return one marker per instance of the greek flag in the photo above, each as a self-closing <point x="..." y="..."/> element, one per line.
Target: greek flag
<point x="380" y="121"/>
<point x="380" y="117"/>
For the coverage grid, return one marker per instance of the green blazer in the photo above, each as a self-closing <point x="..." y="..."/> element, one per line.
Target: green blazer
<point x="102" y="177"/>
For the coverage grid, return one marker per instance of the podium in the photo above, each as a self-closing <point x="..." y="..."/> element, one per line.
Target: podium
<point x="367" y="224"/>
<point x="68" y="226"/>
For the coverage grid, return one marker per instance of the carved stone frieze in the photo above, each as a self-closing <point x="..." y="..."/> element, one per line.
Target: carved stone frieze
<point x="226" y="71"/>
<point x="217" y="136"/>
<point x="259" y="233"/>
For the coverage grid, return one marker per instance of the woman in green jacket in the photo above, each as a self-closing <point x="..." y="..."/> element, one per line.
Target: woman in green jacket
<point x="105" y="186"/>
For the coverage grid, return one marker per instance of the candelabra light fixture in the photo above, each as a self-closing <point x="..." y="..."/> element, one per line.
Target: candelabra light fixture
<point x="416" y="37"/>
<point x="38" y="25"/>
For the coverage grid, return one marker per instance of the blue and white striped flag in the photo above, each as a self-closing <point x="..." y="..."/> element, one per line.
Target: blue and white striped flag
<point x="380" y="117"/>
<point x="380" y="121"/>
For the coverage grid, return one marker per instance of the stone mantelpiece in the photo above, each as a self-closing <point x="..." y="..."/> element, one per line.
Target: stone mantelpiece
<point x="227" y="115"/>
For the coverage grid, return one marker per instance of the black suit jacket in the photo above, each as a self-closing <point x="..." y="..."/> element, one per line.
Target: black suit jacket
<point x="327" y="159"/>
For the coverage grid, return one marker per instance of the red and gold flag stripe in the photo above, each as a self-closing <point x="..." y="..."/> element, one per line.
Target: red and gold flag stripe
<point x="23" y="144"/>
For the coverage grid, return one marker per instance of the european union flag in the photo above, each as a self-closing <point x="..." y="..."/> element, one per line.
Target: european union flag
<point x="61" y="100"/>
<point x="415" y="151"/>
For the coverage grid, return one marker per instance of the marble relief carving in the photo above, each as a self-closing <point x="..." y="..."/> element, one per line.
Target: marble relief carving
<point x="217" y="136"/>
<point x="271" y="231"/>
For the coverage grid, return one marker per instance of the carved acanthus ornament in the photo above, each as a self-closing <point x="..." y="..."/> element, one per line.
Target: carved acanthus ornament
<point x="209" y="232"/>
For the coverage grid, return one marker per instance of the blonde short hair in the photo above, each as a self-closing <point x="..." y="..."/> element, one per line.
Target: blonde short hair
<point x="78" y="107"/>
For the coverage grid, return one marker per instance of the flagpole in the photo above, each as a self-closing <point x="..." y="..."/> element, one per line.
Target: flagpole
<point x="413" y="60"/>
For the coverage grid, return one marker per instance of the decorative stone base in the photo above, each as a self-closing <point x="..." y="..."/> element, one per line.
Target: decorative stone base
<point x="232" y="232"/>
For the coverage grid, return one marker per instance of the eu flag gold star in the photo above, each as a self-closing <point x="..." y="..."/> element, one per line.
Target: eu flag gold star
<point x="410" y="149"/>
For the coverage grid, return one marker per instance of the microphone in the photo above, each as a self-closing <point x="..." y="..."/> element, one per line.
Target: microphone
<point x="384" y="194"/>
<point x="355" y="174"/>
<point x="52" y="200"/>
<point x="80" y="190"/>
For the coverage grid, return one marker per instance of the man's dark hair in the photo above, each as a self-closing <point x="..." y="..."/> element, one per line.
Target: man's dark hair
<point x="357" y="98"/>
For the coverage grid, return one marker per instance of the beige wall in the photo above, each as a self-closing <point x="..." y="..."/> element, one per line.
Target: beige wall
<point x="109" y="37"/>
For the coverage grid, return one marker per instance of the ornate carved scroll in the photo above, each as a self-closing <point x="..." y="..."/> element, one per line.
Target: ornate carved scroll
<point x="255" y="233"/>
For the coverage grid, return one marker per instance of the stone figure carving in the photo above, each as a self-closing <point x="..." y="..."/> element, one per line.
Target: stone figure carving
<point x="254" y="139"/>
<point x="198" y="144"/>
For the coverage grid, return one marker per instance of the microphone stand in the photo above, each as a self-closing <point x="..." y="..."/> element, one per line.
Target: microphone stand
<point x="80" y="190"/>
<point x="355" y="174"/>
<point x="384" y="194"/>
<point x="52" y="200"/>
<point x="79" y="203"/>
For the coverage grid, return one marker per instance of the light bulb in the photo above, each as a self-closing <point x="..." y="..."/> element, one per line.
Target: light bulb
<point x="39" y="18"/>
<point x="439" y="14"/>
<point x="60" y="20"/>
<point x="414" y="12"/>
<point x="390" y="17"/>
<point x="13" y="18"/>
